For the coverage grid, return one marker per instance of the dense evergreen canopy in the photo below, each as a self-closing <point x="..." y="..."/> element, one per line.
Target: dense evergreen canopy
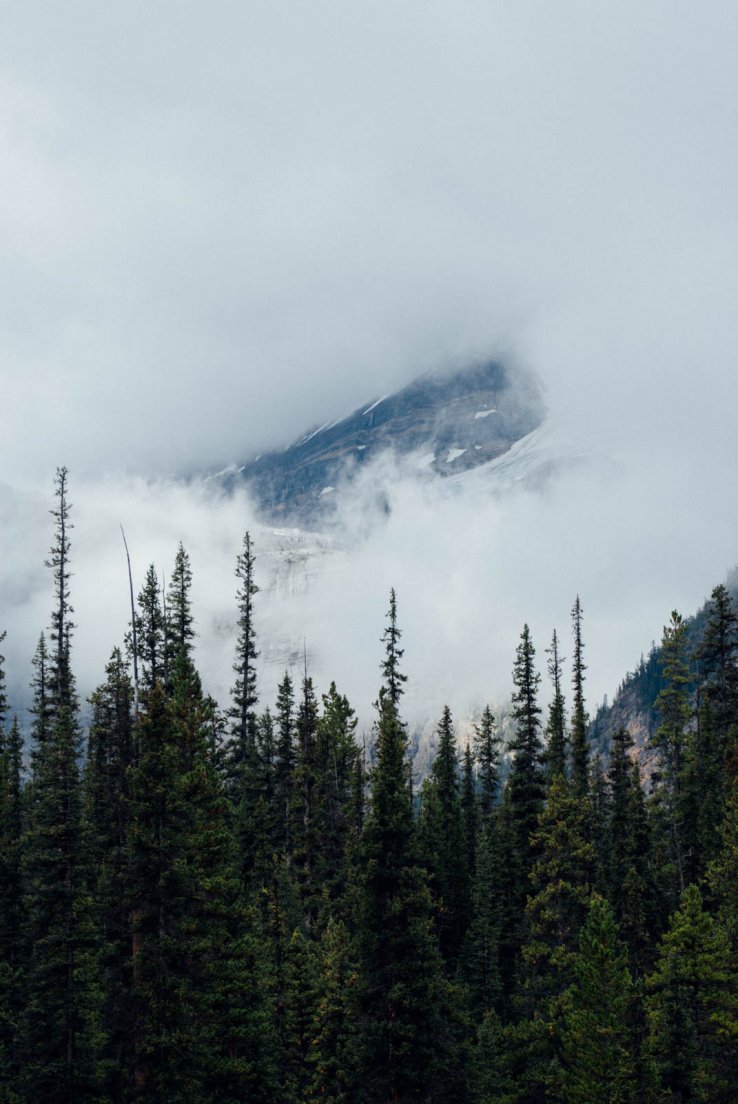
<point x="205" y="906"/>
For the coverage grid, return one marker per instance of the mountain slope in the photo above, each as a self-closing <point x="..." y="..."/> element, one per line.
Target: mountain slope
<point x="453" y="422"/>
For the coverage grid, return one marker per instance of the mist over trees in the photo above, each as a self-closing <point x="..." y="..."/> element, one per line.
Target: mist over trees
<point x="211" y="906"/>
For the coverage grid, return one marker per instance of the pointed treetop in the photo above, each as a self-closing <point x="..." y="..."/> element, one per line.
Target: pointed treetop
<point x="579" y="719"/>
<point x="392" y="688"/>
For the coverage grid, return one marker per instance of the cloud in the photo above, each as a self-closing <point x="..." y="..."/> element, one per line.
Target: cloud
<point x="222" y="226"/>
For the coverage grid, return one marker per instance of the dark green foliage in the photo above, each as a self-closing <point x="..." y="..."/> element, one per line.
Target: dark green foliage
<point x="579" y="719"/>
<point x="332" y="1051"/>
<point x="306" y="843"/>
<point x="469" y="811"/>
<point x="202" y="1028"/>
<point x="178" y="616"/>
<point x="400" y="986"/>
<point x="336" y="764"/>
<point x="554" y="915"/>
<point x="692" y="1008"/>
<point x="58" y="1038"/>
<point x="479" y="967"/>
<point x="285" y="764"/>
<point x="671" y="740"/>
<point x="526" y="784"/>
<point x="444" y="845"/>
<point x="487" y="751"/>
<point x="243" y="695"/>
<point x="401" y="989"/>
<point x="618" y="834"/>
<point x="596" y="1038"/>
<point x="394" y="679"/>
<point x="12" y="919"/>
<point x="3" y="694"/>
<point x="109" y="758"/>
<point x="556" y="741"/>
<point x="222" y="908"/>
<point x="151" y="632"/>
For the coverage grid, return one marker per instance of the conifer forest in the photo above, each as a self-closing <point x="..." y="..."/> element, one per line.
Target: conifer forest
<point x="246" y="905"/>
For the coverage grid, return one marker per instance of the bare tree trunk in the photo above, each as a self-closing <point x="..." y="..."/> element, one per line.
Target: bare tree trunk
<point x="133" y="628"/>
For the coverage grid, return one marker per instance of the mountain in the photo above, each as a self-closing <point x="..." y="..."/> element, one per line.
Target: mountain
<point x="634" y="705"/>
<point x="452" y="423"/>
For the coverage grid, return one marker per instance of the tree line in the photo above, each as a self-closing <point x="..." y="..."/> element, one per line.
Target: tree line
<point x="206" y="906"/>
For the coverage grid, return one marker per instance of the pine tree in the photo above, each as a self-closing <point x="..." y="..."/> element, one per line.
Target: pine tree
<point x="619" y="778"/>
<point x="487" y="748"/>
<point x="554" y="914"/>
<point x="151" y="632"/>
<point x="58" y="1038"/>
<point x="202" y="1030"/>
<point x="692" y="1008"/>
<point x="556" y="741"/>
<point x="336" y="757"/>
<point x="469" y="812"/>
<point x="301" y="1002"/>
<point x="178" y="618"/>
<point x="284" y="769"/>
<point x="306" y="843"/>
<point x="479" y="966"/>
<point x="3" y="693"/>
<point x="400" y="983"/>
<point x="109" y="758"/>
<point x="714" y="759"/>
<point x="244" y="694"/>
<point x="596" y="1040"/>
<point x="394" y="679"/>
<point x="526" y="783"/>
<point x="579" y="719"/>
<point x="671" y="735"/>
<point x="443" y="844"/>
<point x="12" y="920"/>
<point x="333" y="1035"/>
<point x="42" y="709"/>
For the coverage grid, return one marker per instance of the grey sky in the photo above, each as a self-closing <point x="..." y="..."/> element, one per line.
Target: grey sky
<point x="231" y="219"/>
<point x="221" y="223"/>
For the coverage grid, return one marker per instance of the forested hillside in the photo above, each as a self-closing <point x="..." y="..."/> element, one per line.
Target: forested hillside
<point x="201" y="906"/>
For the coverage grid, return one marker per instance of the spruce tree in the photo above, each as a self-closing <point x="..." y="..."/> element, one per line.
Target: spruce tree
<point x="400" y="989"/>
<point x="579" y="719"/>
<point x="178" y="618"/>
<point x="151" y="632"/>
<point x="469" y="811"/>
<point x="336" y="755"/>
<point x="110" y="754"/>
<point x="12" y="920"/>
<point x="393" y="678"/>
<point x="619" y="845"/>
<point x="554" y="915"/>
<point x="692" y="1008"/>
<point x="671" y="735"/>
<point x="244" y="694"/>
<point x="3" y="694"/>
<point x="306" y="842"/>
<point x="479" y="965"/>
<point x="444" y="845"/>
<point x="58" y="1037"/>
<point x="332" y="1053"/>
<point x="596" y="1040"/>
<point x="526" y="782"/>
<point x="487" y="750"/>
<point x="285" y="764"/>
<point x="556" y="741"/>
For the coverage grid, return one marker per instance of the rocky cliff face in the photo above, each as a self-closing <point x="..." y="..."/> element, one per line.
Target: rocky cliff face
<point x="452" y="423"/>
<point x="634" y="705"/>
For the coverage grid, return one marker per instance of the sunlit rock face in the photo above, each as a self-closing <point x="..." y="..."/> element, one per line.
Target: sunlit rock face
<point x="449" y="423"/>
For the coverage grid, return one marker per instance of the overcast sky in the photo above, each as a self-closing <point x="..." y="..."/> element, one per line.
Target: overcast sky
<point x="221" y="223"/>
